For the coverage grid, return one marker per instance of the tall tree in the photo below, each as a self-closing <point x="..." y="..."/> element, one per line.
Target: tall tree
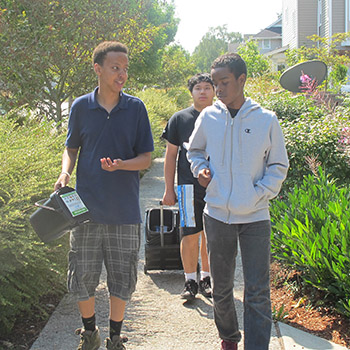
<point x="47" y="46"/>
<point x="146" y="65"/>
<point x="256" y="63"/>
<point x="213" y="44"/>
<point x="176" y="67"/>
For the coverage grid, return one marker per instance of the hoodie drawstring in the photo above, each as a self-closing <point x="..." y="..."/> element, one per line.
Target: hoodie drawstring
<point x="224" y="140"/>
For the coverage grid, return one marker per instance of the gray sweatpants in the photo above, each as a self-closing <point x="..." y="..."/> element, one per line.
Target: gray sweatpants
<point x="254" y="240"/>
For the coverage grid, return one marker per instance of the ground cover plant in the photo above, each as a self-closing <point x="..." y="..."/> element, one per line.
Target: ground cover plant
<point x="29" y="161"/>
<point x="311" y="233"/>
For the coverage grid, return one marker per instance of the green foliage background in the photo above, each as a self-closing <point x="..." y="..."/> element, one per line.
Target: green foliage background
<point x="30" y="157"/>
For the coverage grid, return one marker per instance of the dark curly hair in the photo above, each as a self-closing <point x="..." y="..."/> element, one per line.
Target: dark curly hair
<point x="199" y="78"/>
<point x="102" y="49"/>
<point x="233" y="62"/>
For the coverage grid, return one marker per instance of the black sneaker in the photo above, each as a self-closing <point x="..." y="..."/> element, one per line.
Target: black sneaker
<point x="117" y="343"/>
<point x="190" y="290"/>
<point x="89" y="340"/>
<point x="205" y="287"/>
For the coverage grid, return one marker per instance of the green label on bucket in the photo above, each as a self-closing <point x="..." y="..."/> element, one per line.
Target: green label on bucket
<point x="74" y="203"/>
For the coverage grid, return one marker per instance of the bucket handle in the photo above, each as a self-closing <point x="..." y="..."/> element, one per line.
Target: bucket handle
<point x="38" y="204"/>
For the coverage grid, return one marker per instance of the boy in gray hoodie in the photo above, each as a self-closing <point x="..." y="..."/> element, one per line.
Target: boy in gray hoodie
<point x="237" y="152"/>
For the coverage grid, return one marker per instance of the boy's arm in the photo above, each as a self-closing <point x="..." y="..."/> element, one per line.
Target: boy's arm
<point x="169" y="197"/>
<point x="196" y="149"/>
<point x="277" y="165"/>
<point x="69" y="158"/>
<point x="140" y="162"/>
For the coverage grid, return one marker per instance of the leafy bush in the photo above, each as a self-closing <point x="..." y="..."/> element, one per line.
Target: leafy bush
<point x="318" y="141"/>
<point x="289" y="107"/>
<point x="312" y="127"/>
<point x="311" y="233"/>
<point x="160" y="108"/>
<point x="338" y="75"/>
<point x="158" y="103"/>
<point x="181" y="96"/>
<point x="30" y="157"/>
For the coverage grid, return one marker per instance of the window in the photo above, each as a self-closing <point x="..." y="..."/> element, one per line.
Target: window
<point x="266" y="44"/>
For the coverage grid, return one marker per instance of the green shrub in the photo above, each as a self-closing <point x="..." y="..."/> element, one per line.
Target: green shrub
<point x="158" y="103"/>
<point x="289" y="107"/>
<point x="181" y="96"/>
<point x="30" y="157"/>
<point x="311" y="233"/>
<point x="338" y="75"/>
<point x="160" y="108"/>
<point x="316" y="139"/>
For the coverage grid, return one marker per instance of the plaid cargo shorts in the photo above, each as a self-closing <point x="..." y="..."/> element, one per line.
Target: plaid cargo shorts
<point x="115" y="245"/>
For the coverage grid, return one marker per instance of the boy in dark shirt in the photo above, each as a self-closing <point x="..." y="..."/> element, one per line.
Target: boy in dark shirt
<point x="177" y="132"/>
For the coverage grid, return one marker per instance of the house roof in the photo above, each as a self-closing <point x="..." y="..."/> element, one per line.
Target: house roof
<point x="268" y="33"/>
<point x="277" y="30"/>
<point x="276" y="24"/>
<point x="277" y="51"/>
<point x="273" y="31"/>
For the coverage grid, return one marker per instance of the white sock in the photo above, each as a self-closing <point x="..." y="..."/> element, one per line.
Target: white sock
<point x="204" y="274"/>
<point x="191" y="276"/>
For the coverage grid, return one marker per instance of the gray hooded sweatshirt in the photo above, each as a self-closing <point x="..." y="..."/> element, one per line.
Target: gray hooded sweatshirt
<point x="247" y="159"/>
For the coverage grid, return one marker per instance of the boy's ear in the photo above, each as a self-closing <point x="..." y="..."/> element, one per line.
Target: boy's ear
<point x="242" y="78"/>
<point x="97" y="68"/>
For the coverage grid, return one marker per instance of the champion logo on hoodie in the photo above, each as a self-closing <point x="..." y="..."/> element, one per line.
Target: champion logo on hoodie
<point x="248" y="131"/>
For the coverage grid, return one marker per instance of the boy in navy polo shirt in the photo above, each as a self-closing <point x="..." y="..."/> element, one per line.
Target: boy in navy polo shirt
<point x="110" y="131"/>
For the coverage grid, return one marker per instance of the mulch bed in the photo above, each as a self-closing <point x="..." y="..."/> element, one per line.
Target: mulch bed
<point x="302" y="307"/>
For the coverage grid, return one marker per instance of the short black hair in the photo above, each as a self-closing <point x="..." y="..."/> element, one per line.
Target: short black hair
<point x="233" y="61"/>
<point x="199" y="78"/>
<point x="102" y="49"/>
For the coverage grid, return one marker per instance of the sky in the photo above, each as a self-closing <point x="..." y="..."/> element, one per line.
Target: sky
<point x="243" y="16"/>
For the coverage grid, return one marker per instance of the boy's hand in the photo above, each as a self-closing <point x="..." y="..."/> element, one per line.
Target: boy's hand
<point x="169" y="198"/>
<point x="109" y="165"/>
<point x="204" y="177"/>
<point x="62" y="181"/>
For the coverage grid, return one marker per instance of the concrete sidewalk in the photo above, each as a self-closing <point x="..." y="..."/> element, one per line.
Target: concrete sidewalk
<point x="156" y="318"/>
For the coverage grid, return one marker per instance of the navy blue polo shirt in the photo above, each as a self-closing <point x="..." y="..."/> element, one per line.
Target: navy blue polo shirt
<point x="111" y="197"/>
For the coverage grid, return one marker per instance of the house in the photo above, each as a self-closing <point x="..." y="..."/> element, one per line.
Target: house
<point x="299" y="20"/>
<point x="268" y="39"/>
<point x="303" y="18"/>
